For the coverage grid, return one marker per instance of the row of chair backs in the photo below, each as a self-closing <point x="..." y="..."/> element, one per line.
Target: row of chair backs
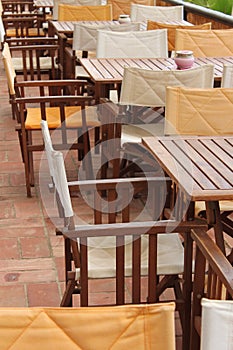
<point x="199" y="111"/>
<point x="85" y="36"/>
<point x="205" y="43"/>
<point x="141" y="13"/>
<point x="120" y="7"/>
<point x="171" y="30"/>
<point x="116" y="44"/>
<point x="84" y="13"/>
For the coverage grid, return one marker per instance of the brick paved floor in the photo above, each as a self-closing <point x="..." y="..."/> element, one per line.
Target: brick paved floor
<point x="31" y="255"/>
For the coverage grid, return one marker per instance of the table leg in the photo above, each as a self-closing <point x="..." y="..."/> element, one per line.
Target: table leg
<point x="214" y="220"/>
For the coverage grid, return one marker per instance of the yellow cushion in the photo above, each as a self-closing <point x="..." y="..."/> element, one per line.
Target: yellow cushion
<point x="31" y="32"/>
<point x="84" y="13"/>
<point x="110" y="327"/>
<point x="171" y="30"/>
<point x="73" y="117"/>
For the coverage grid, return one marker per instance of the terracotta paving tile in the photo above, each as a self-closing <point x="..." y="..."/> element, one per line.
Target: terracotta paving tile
<point x="13" y="296"/>
<point x="22" y="232"/>
<point x="43" y="294"/>
<point x="34" y="247"/>
<point x="7" y="210"/>
<point x="9" y="248"/>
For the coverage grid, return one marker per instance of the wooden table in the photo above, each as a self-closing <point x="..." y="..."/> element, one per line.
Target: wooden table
<point x="67" y="27"/>
<point x="104" y="71"/>
<point x="201" y="167"/>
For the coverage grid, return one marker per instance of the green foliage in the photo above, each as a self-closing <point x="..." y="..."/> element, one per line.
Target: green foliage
<point x="224" y="6"/>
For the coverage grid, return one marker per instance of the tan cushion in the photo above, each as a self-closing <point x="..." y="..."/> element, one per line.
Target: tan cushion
<point x="199" y="111"/>
<point x="31" y="32"/>
<point x="84" y="13"/>
<point x="111" y="327"/>
<point x="171" y="30"/>
<point x="73" y="115"/>
<point x="45" y="63"/>
<point x="205" y="43"/>
<point x="120" y="7"/>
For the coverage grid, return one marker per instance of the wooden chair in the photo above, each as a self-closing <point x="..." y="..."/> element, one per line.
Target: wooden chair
<point x="120" y="7"/>
<point x="143" y="93"/>
<point x="213" y="279"/>
<point x="74" y="3"/>
<point x="35" y="58"/>
<point x="10" y="7"/>
<point x="23" y="25"/>
<point x="84" y="13"/>
<point x="227" y="76"/>
<point x="84" y="45"/>
<point x="205" y="43"/>
<point x="110" y="249"/>
<point x="131" y="326"/>
<point x="171" y="30"/>
<point x="198" y="112"/>
<point x="141" y="13"/>
<point x="131" y="44"/>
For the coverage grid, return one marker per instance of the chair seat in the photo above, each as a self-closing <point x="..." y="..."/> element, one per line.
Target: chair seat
<point x="80" y="72"/>
<point x="31" y="31"/>
<point x="73" y="115"/>
<point x="134" y="133"/>
<point x="45" y="63"/>
<point x="101" y="261"/>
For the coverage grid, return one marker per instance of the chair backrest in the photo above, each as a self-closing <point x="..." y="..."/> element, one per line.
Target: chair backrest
<point x="2" y="31"/>
<point x="9" y="68"/>
<point x="57" y="170"/>
<point x="151" y="43"/>
<point x="205" y="43"/>
<point x="171" y="30"/>
<point x="143" y="87"/>
<point x="84" y="13"/>
<point x="131" y="326"/>
<point x="199" y="111"/>
<point x="120" y="7"/>
<point x="73" y="2"/>
<point x="35" y="57"/>
<point x="85" y="35"/>
<point x="217" y="324"/>
<point x="213" y="279"/>
<point x="227" y="76"/>
<point x="156" y="13"/>
<point x="23" y="25"/>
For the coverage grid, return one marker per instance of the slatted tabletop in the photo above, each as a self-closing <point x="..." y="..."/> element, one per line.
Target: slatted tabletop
<point x="67" y="27"/>
<point x="44" y="3"/>
<point x="110" y="70"/>
<point x="201" y="166"/>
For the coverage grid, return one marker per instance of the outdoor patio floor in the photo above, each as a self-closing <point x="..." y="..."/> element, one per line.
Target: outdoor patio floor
<point x="31" y="255"/>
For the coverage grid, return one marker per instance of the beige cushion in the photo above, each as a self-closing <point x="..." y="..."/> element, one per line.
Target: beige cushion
<point x="151" y="43"/>
<point x="45" y="63"/>
<point x="205" y="43"/>
<point x="102" y="256"/>
<point x="142" y="13"/>
<point x="73" y="2"/>
<point x="227" y="76"/>
<point x="143" y="87"/>
<point x="217" y="324"/>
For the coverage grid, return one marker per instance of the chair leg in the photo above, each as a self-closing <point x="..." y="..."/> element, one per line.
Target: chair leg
<point x="70" y="287"/>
